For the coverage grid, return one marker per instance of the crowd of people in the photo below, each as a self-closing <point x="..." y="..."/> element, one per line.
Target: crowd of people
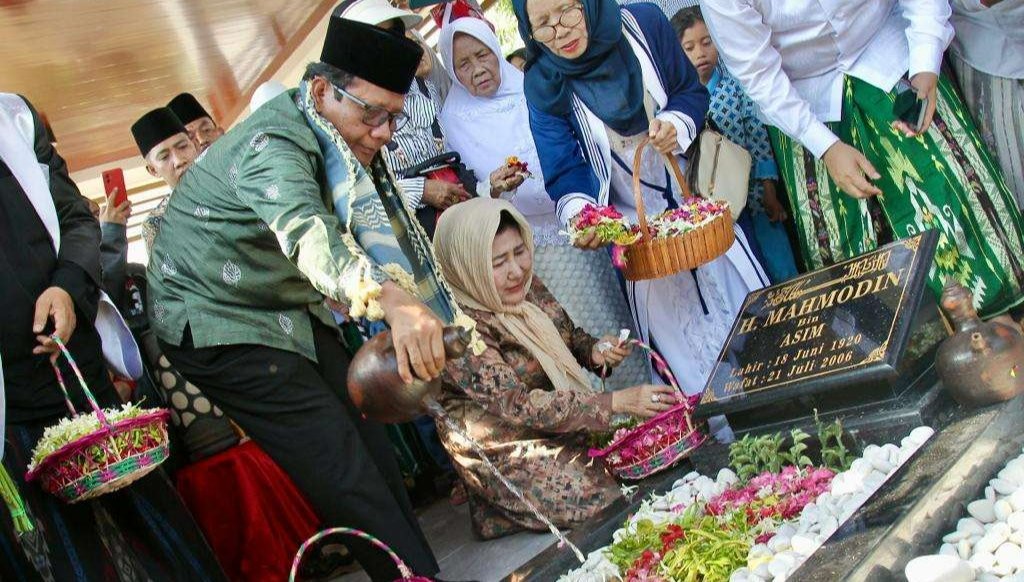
<point x="379" y="194"/>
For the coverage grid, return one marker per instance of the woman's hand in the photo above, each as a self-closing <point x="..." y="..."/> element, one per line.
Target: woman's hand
<point x="926" y="86"/>
<point x="612" y="355"/>
<point x="588" y="239"/>
<point x="644" y="401"/>
<point x="441" y="194"/>
<point x="505" y="179"/>
<point x="850" y="170"/>
<point x="663" y="136"/>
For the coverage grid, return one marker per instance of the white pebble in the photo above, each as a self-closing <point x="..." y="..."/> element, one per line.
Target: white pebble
<point x="1017" y="499"/>
<point x="1013" y="472"/>
<point x="1003" y="487"/>
<point x="969" y="526"/>
<point x="740" y="575"/>
<point x="988" y="577"/>
<point x="861" y="466"/>
<point x="761" y="571"/>
<point x="990" y="494"/>
<point x="983" y="560"/>
<point x="963" y="548"/>
<point x="982" y="510"/>
<point x="759" y="551"/>
<point x="921" y="434"/>
<point x="1002" y="509"/>
<point x="882" y="464"/>
<point x="781" y="564"/>
<point x="726" y="476"/>
<point x="786" y="529"/>
<point x="1010" y="555"/>
<point x="955" y="536"/>
<point x="829" y="525"/>
<point x="892" y="452"/>
<point x="847" y="483"/>
<point x="805" y="545"/>
<point x="1000" y="530"/>
<point x="1016" y="521"/>
<point x="938" y="569"/>
<point x="947" y="550"/>
<point x="1001" y="570"/>
<point x="781" y="543"/>
<point x="1017" y="537"/>
<point x="874" y="480"/>
<point x="987" y="544"/>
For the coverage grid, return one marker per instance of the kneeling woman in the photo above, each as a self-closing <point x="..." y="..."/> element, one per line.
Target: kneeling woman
<point x="526" y="399"/>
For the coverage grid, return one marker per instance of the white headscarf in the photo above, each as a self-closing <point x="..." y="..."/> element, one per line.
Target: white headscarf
<point x="487" y="130"/>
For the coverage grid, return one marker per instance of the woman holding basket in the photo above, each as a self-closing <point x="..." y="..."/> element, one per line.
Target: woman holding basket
<point x="602" y="79"/>
<point x="526" y="398"/>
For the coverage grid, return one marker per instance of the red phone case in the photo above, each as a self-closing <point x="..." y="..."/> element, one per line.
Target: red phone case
<point x="115" y="179"/>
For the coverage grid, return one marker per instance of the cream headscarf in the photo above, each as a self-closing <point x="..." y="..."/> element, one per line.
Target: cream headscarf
<point x="462" y="244"/>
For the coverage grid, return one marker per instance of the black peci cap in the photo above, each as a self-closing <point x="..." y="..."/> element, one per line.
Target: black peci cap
<point x="370" y="53"/>
<point x="154" y="127"/>
<point x="187" y="108"/>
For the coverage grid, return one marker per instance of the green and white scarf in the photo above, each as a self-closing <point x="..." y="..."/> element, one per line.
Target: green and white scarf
<point x="376" y="219"/>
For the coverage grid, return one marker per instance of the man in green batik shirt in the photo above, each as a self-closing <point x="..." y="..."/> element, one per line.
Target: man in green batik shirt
<point x="292" y="207"/>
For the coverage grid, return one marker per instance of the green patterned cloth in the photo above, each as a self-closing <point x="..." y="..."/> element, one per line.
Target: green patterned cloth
<point x="250" y="244"/>
<point x="944" y="180"/>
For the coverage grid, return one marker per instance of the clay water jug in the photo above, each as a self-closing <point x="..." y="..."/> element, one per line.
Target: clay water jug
<point x="380" y="393"/>
<point x="983" y="362"/>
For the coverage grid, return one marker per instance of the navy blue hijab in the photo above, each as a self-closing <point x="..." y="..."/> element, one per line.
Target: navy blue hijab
<point x="606" y="77"/>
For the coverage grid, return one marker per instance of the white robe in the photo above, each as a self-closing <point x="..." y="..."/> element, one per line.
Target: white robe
<point x="669" y="312"/>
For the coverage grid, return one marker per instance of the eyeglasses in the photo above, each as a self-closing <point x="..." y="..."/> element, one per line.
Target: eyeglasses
<point x="569" y="18"/>
<point x="374" y="115"/>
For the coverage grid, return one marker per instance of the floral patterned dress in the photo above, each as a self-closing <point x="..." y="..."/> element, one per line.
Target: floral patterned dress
<point x="533" y="432"/>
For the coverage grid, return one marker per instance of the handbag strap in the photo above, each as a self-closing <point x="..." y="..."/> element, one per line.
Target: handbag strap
<point x="81" y="381"/>
<point x="638" y="194"/>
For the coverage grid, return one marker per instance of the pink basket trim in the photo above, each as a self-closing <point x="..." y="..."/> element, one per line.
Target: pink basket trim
<point x="156" y="416"/>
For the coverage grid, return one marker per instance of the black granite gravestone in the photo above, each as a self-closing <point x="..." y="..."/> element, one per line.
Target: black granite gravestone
<point x="849" y="336"/>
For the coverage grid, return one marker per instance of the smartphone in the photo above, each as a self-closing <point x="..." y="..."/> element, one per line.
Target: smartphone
<point x="115" y="179"/>
<point x="908" y="108"/>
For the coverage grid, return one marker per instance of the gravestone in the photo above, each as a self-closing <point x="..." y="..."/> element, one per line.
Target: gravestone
<point x="855" y="336"/>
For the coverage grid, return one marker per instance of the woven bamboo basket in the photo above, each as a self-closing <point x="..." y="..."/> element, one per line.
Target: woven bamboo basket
<point x="110" y="458"/>
<point x="653" y="258"/>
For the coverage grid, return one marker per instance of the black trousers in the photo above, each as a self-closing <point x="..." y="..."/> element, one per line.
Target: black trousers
<point x="300" y="413"/>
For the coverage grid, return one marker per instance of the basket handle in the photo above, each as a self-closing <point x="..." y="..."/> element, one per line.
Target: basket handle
<point x="81" y="381"/>
<point x="403" y="570"/>
<point x="638" y="194"/>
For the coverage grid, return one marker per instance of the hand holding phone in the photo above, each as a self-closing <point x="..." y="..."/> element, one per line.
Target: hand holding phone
<point x="118" y="209"/>
<point x="113" y="183"/>
<point x="915" y="103"/>
<point x="909" y="108"/>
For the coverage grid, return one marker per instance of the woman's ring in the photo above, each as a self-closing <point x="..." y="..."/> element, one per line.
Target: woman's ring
<point x="655" y="398"/>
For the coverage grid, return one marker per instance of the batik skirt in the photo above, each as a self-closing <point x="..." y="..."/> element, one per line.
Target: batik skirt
<point x="944" y="180"/>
